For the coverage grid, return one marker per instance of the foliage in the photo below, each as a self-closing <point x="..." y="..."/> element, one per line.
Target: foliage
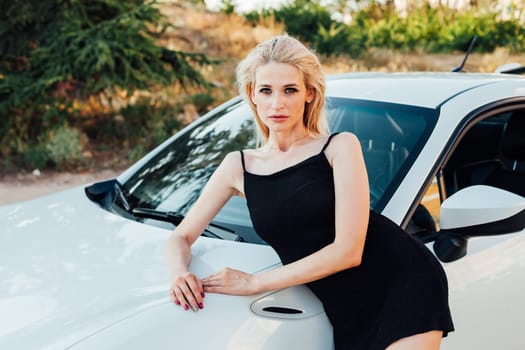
<point x="442" y="30"/>
<point x="302" y="18"/>
<point x="23" y="127"/>
<point x="137" y="127"/>
<point x="65" y="146"/>
<point x="227" y="7"/>
<point x="56" y="52"/>
<point x="202" y="102"/>
<point x="195" y="2"/>
<point x="339" y="39"/>
<point x="61" y="147"/>
<point x="423" y="28"/>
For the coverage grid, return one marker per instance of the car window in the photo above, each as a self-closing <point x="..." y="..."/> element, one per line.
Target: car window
<point x="492" y="153"/>
<point x="174" y="178"/>
<point x="426" y="217"/>
<point x="391" y="137"/>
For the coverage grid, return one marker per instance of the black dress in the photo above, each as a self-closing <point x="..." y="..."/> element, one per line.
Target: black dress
<point x="398" y="290"/>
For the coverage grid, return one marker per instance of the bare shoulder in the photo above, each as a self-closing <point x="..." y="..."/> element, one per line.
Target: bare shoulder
<point x="232" y="157"/>
<point x="345" y="138"/>
<point x="343" y="144"/>
<point x="232" y="163"/>
<point x="231" y="172"/>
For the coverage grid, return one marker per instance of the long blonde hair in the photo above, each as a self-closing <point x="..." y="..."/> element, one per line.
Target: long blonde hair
<point x="285" y="49"/>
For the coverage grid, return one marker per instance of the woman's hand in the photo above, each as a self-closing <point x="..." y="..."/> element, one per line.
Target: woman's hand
<point x="186" y="290"/>
<point x="230" y="281"/>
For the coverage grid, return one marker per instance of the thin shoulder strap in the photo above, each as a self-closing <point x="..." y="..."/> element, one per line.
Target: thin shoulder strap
<point x="242" y="161"/>
<point x="328" y="141"/>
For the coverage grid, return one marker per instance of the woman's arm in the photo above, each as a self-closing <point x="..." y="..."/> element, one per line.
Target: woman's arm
<point x="186" y="289"/>
<point x="352" y="205"/>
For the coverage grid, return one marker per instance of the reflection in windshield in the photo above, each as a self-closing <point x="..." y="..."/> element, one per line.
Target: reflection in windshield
<point x="174" y="178"/>
<point x="391" y="137"/>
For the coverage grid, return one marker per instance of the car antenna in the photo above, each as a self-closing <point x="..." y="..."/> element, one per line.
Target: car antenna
<point x="471" y="45"/>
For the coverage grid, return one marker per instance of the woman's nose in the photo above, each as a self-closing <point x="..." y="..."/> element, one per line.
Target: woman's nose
<point x="277" y="101"/>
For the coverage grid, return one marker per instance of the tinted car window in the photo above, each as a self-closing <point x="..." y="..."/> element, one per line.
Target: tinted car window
<point x="391" y="137"/>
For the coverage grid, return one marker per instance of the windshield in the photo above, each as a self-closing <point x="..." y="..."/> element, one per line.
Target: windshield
<point x="391" y="137"/>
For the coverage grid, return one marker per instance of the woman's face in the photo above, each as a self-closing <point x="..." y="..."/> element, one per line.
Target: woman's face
<point x="280" y="94"/>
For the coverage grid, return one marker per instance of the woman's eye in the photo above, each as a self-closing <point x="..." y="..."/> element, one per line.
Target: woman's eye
<point x="265" y="91"/>
<point x="290" y="90"/>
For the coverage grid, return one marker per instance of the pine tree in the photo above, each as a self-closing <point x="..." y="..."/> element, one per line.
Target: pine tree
<point x="57" y="50"/>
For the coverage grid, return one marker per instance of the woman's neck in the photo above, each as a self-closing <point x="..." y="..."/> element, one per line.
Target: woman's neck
<point x="283" y="142"/>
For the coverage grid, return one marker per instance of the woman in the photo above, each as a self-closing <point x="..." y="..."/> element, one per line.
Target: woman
<point x="380" y="288"/>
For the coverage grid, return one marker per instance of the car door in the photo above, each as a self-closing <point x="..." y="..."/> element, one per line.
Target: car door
<point x="479" y="193"/>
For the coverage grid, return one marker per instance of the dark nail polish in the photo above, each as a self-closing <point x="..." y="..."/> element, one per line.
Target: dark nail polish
<point x="202" y="294"/>
<point x="186" y="307"/>
<point x="177" y="302"/>
<point x="201" y="305"/>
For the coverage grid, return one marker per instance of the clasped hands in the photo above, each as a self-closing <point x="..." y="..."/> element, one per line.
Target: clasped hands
<point x="187" y="290"/>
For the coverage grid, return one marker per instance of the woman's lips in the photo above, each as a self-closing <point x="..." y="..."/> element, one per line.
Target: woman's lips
<point x="278" y="118"/>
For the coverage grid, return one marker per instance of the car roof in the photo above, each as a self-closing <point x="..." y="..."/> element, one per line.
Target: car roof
<point x="424" y="89"/>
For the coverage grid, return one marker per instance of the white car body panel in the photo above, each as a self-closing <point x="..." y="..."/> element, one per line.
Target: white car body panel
<point x="486" y="290"/>
<point x="405" y="88"/>
<point x="113" y="276"/>
<point x="463" y="211"/>
<point x="233" y="327"/>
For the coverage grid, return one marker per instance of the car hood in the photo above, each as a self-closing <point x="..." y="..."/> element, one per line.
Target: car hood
<point x="79" y="269"/>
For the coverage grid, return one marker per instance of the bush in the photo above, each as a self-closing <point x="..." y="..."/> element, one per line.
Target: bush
<point x="424" y="28"/>
<point x="66" y="146"/>
<point x="440" y="30"/>
<point x="147" y="123"/>
<point x="340" y="39"/>
<point x="137" y="127"/>
<point x="36" y="157"/>
<point x="202" y="101"/>
<point x="22" y="130"/>
<point x="302" y="19"/>
<point x="135" y="153"/>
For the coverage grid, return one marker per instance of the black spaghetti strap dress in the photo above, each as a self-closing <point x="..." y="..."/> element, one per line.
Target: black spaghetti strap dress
<point x="398" y="290"/>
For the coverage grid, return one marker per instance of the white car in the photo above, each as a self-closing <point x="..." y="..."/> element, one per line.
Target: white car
<point x="445" y="152"/>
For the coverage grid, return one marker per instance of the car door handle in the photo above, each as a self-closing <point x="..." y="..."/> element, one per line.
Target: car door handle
<point x="290" y="303"/>
<point x="282" y="310"/>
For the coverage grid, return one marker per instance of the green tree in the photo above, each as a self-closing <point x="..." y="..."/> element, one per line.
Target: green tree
<point x="55" y="51"/>
<point x="303" y="18"/>
<point x="227" y="7"/>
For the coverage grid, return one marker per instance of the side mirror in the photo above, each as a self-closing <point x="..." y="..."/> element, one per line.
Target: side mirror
<point x="477" y="211"/>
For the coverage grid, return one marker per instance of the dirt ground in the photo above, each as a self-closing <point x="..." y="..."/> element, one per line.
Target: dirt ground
<point x="24" y="186"/>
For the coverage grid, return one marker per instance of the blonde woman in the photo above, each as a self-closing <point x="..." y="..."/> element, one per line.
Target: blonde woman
<point x="308" y="196"/>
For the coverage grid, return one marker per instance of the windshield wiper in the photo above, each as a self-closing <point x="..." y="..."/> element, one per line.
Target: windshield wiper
<point x="213" y="230"/>
<point x="122" y="197"/>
